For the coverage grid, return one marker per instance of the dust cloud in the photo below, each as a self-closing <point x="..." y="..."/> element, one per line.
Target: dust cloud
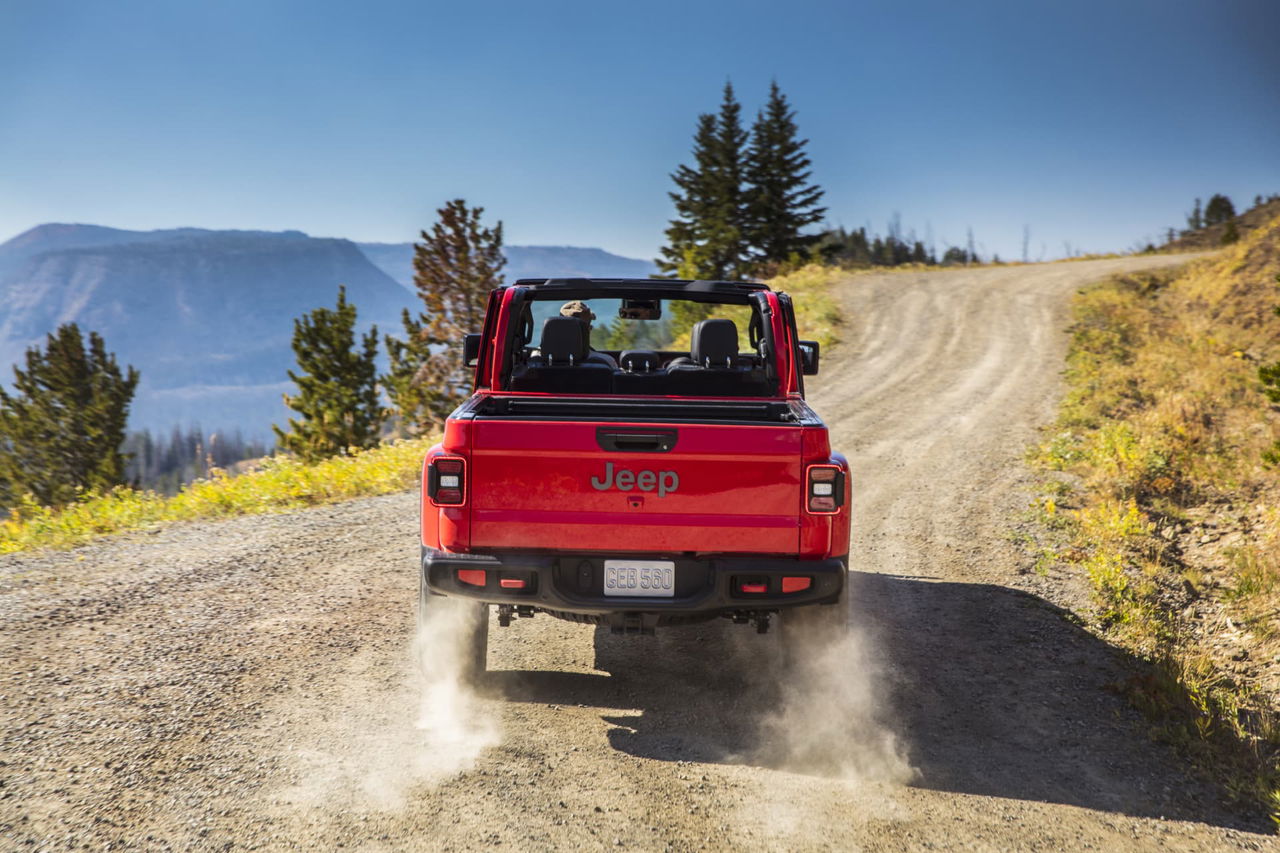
<point x="375" y="748"/>
<point x="831" y="717"/>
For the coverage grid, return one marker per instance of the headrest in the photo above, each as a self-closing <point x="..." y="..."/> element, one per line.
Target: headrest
<point x="564" y="340"/>
<point x="639" y="361"/>
<point x="714" y="343"/>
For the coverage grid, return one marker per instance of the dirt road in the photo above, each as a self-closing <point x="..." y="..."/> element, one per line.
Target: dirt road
<point x="251" y="683"/>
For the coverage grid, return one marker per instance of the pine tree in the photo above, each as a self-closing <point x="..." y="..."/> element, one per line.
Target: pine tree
<point x="1231" y="234"/>
<point x="1195" y="220"/>
<point x="337" y="386"/>
<point x="708" y="237"/>
<point x="455" y="266"/>
<point x="1219" y="210"/>
<point x="781" y="200"/>
<point x="693" y="201"/>
<point x="410" y="397"/>
<point x="62" y="427"/>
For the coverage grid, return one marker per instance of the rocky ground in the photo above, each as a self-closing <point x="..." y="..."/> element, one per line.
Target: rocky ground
<point x="257" y="683"/>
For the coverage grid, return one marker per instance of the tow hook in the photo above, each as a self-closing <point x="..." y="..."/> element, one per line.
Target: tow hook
<point x="507" y="611"/>
<point x="633" y="623"/>
<point x="759" y="618"/>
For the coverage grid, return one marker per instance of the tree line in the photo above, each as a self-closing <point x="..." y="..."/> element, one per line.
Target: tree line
<point x="167" y="463"/>
<point x="1219" y="210"/>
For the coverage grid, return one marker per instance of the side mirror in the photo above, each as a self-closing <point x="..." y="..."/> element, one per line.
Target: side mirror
<point x="808" y="357"/>
<point x="471" y="350"/>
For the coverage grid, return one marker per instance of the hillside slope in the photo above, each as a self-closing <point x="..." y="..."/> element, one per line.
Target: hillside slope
<point x="1210" y="237"/>
<point x="1170" y="508"/>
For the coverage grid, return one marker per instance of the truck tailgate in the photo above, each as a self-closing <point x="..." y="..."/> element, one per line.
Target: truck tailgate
<point x="635" y="488"/>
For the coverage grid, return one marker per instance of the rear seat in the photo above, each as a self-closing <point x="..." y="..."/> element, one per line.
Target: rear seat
<point x="640" y="372"/>
<point x="562" y="366"/>
<point x="712" y="368"/>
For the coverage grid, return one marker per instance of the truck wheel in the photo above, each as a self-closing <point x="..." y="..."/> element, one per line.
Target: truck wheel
<point x="470" y="619"/>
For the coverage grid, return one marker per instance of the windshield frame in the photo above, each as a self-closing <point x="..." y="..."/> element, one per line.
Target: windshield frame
<point x="763" y="300"/>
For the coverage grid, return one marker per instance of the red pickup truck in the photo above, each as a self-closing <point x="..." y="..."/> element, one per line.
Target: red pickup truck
<point x="636" y="453"/>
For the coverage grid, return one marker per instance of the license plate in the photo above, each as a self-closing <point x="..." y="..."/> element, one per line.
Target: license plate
<point x="655" y="578"/>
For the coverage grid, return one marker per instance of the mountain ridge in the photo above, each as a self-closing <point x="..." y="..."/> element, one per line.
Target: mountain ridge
<point x="207" y="315"/>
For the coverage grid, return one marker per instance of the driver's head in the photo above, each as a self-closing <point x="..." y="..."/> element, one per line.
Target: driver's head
<point x="577" y="309"/>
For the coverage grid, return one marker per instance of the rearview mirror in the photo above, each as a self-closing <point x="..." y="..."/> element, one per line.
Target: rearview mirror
<point x="640" y="309"/>
<point x="808" y="357"/>
<point x="471" y="350"/>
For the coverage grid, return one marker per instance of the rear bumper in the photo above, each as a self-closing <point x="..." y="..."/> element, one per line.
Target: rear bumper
<point x="574" y="583"/>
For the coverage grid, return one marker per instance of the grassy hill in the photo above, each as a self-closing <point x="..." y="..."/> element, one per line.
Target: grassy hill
<point x="1210" y="237"/>
<point x="1169" y="507"/>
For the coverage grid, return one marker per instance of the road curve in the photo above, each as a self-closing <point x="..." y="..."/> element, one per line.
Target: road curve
<point x="256" y="683"/>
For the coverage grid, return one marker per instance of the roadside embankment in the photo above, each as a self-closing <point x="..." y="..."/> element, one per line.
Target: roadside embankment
<point x="1160" y="494"/>
<point x="280" y="484"/>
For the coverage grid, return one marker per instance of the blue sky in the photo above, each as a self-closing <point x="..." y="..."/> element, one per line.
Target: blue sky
<point x="1096" y="123"/>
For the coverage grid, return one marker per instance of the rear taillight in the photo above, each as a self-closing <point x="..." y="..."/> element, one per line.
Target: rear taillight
<point x="446" y="481"/>
<point x="472" y="577"/>
<point x="795" y="584"/>
<point x="824" y="489"/>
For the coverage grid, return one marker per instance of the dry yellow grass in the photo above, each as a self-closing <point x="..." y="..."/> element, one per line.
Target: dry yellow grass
<point x="281" y="484"/>
<point x="1165" y="427"/>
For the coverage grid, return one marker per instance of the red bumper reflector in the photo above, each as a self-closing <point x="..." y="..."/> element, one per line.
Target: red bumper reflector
<point x="472" y="577"/>
<point x="754" y="587"/>
<point x="796" y="584"/>
<point x="511" y="583"/>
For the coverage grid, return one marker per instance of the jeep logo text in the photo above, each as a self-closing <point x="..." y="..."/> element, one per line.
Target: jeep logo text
<point x="646" y="481"/>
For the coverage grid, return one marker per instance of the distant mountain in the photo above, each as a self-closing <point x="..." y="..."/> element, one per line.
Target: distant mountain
<point x="207" y="316"/>
<point x="396" y="260"/>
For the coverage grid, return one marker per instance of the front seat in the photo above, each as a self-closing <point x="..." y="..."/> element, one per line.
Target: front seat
<point x="712" y="343"/>
<point x="562" y="366"/>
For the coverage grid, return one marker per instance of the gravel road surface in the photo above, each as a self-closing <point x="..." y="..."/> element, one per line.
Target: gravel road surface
<point x="257" y="683"/>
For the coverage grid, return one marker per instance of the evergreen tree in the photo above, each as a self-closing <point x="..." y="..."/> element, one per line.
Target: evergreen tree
<point x="1219" y="210"/>
<point x="62" y="427"/>
<point x="455" y="266"/>
<point x="337" y="386"/>
<point x="410" y="396"/>
<point x="708" y="237"/>
<point x="781" y="200"/>
<point x="681" y="255"/>
<point x="1231" y="234"/>
<point x="1195" y="220"/>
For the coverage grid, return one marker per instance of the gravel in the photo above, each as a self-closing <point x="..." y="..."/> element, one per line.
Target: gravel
<point x="256" y="683"/>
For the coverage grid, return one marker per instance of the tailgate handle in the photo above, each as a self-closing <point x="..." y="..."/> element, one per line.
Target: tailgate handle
<point x="632" y="441"/>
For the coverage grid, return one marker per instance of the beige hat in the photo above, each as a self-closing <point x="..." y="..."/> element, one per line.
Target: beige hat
<point x="577" y="309"/>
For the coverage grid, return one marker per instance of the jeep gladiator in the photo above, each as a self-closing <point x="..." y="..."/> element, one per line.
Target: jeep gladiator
<point x="658" y="466"/>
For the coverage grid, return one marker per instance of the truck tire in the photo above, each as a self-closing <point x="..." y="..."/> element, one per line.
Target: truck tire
<point x="473" y="645"/>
